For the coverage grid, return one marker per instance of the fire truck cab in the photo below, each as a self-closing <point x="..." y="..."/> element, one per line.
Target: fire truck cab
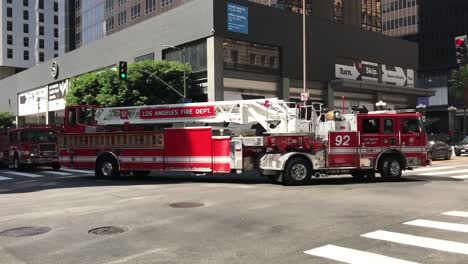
<point x="286" y="142"/>
<point x="30" y="146"/>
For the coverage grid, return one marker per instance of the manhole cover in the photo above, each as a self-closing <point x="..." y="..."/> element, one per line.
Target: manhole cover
<point x="25" y="231"/>
<point x="186" y="205"/>
<point x="107" y="230"/>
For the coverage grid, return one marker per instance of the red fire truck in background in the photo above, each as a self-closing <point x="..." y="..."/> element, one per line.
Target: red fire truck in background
<point x="30" y="146"/>
<point x="281" y="140"/>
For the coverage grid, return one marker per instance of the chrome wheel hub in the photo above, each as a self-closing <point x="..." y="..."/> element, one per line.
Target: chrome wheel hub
<point x="395" y="168"/>
<point x="299" y="172"/>
<point x="107" y="169"/>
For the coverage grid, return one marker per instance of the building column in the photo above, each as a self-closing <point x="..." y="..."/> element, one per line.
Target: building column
<point x="284" y="88"/>
<point x="215" y="68"/>
<point x="330" y="98"/>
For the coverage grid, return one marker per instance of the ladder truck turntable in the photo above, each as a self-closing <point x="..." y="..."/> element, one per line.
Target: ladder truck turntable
<point x="284" y="141"/>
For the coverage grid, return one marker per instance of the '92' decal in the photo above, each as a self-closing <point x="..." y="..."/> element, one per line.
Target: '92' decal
<point x="342" y="141"/>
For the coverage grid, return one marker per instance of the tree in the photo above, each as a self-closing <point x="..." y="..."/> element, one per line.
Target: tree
<point x="460" y="89"/>
<point x="6" y="120"/>
<point x="142" y="87"/>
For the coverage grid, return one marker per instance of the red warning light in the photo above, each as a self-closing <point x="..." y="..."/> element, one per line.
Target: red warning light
<point x="459" y="42"/>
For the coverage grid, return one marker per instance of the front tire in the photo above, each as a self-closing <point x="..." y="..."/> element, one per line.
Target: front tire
<point x="448" y="155"/>
<point x="107" y="167"/>
<point x="298" y="172"/>
<point x="457" y="153"/>
<point x="17" y="164"/>
<point x="391" y="168"/>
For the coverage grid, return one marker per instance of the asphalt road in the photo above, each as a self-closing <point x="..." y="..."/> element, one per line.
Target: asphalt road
<point x="241" y="219"/>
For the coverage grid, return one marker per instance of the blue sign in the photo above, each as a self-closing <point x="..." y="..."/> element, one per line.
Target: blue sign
<point x="237" y="18"/>
<point x="185" y="100"/>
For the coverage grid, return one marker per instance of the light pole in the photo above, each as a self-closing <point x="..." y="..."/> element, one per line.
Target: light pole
<point x="304" y="48"/>
<point x="182" y="51"/>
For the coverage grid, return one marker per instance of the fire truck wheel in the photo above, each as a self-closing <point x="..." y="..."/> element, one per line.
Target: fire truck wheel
<point x="140" y="174"/>
<point x="17" y="164"/>
<point x="391" y="168"/>
<point x="56" y="166"/>
<point x="107" y="168"/>
<point x="298" y="172"/>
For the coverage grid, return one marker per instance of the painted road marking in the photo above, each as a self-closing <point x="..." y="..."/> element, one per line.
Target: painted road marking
<point x="57" y="173"/>
<point x="78" y="171"/>
<point x="352" y="256"/>
<point x="5" y="178"/>
<point x="418" y="241"/>
<point x="464" y="177"/>
<point x="433" y="168"/>
<point x="30" y="175"/>
<point x="456" y="213"/>
<point x="439" y="225"/>
<point x="444" y="173"/>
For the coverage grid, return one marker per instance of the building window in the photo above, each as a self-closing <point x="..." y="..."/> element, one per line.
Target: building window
<point x="78" y="21"/>
<point x="41" y="56"/>
<point x="56" y="34"/>
<point x="26" y="41"/>
<point x="77" y="4"/>
<point x="195" y="55"/>
<point x="25" y="2"/>
<point x="9" y="26"/>
<point x="338" y="11"/>
<point x="56" y="45"/>
<point x="9" y="39"/>
<point x="41" y="43"/>
<point x="41" y="4"/>
<point x="10" y="53"/>
<point x="135" y="12"/>
<point x="26" y="55"/>
<point x="109" y="24"/>
<point x="251" y="57"/>
<point x="109" y="5"/>
<point x="9" y="12"/>
<point x="41" y="30"/>
<point x="235" y="56"/>
<point x="150" y="6"/>
<point x="56" y="7"/>
<point x="55" y="55"/>
<point x="25" y="28"/>
<point x="122" y="2"/>
<point x="41" y="17"/>
<point x="149" y="56"/>
<point x="78" y="38"/>
<point x="165" y="3"/>
<point x="122" y="17"/>
<point x="371" y="15"/>
<point x="26" y="15"/>
<point x="9" y="1"/>
<point x="56" y="20"/>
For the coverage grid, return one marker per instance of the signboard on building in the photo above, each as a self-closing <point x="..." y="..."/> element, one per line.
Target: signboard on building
<point x="237" y="18"/>
<point x="32" y="102"/>
<point x="56" y="95"/>
<point x="375" y="72"/>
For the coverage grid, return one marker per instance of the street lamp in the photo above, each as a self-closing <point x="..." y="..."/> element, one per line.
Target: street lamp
<point x="182" y="51"/>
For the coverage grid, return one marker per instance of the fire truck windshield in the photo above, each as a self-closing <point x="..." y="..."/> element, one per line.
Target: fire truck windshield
<point x="38" y="135"/>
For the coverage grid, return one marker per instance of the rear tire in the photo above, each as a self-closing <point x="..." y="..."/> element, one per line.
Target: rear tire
<point x="391" y="168"/>
<point x="457" y="153"/>
<point x="56" y="166"/>
<point x="107" y="167"/>
<point x="298" y="171"/>
<point x="141" y="174"/>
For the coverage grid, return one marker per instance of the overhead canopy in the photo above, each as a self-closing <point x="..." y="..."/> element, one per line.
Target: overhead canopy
<point x="372" y="87"/>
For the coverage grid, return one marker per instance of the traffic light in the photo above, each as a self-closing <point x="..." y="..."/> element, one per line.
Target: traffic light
<point x="122" y="70"/>
<point x="461" y="49"/>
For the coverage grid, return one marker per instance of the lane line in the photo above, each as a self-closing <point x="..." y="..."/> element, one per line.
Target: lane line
<point x="353" y="256"/>
<point x="132" y="257"/>
<point x="439" y="225"/>
<point x="444" y="173"/>
<point x="57" y="173"/>
<point x="464" y="177"/>
<point x="5" y="178"/>
<point x="78" y="171"/>
<point x="24" y="174"/>
<point x="433" y="168"/>
<point x="456" y="213"/>
<point x="418" y="241"/>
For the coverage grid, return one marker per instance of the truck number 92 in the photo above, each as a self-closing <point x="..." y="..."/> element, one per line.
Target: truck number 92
<point x="342" y="140"/>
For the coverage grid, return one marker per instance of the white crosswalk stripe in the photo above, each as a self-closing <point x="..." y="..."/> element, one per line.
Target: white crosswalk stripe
<point x="418" y="241"/>
<point x="439" y="225"/>
<point x="58" y="173"/>
<point x="10" y="175"/>
<point x="453" y="172"/>
<point x="78" y="171"/>
<point x="445" y="172"/>
<point x="24" y="174"/>
<point x="352" y="256"/>
<point x="456" y="213"/>
<point x="5" y="178"/>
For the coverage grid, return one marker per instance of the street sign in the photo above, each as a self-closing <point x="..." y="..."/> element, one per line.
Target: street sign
<point x="304" y="96"/>
<point x="185" y="100"/>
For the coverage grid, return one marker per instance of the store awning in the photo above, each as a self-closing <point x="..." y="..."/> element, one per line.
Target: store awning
<point x="372" y="87"/>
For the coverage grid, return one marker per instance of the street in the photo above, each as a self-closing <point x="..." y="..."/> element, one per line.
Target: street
<point x="245" y="219"/>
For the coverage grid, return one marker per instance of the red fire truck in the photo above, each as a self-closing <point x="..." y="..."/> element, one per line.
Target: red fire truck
<point x="29" y="146"/>
<point x="284" y="141"/>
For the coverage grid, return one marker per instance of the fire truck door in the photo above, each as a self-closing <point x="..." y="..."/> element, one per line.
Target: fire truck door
<point x="343" y="149"/>
<point x="390" y="133"/>
<point x="371" y="139"/>
<point x="410" y="132"/>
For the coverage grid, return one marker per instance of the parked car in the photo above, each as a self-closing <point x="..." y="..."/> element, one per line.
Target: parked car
<point x="462" y="147"/>
<point x="439" y="150"/>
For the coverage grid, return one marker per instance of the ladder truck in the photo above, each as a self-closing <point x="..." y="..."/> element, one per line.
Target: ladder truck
<point x="283" y="141"/>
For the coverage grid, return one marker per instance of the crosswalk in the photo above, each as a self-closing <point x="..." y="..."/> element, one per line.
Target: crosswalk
<point x="10" y="175"/>
<point x="405" y="240"/>
<point x="458" y="172"/>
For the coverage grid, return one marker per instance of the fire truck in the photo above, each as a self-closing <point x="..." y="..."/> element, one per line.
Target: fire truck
<point x="285" y="142"/>
<point x="30" y="146"/>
